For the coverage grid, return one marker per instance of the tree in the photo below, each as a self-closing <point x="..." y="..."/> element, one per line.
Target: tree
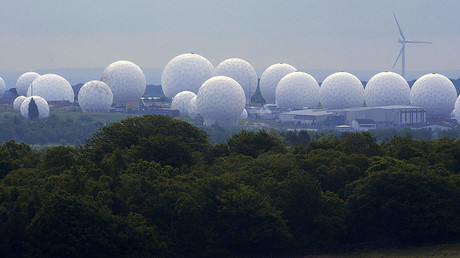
<point x="297" y="138"/>
<point x="33" y="110"/>
<point x="359" y="143"/>
<point x="253" y="144"/>
<point x="148" y="138"/>
<point x="71" y="226"/>
<point x="407" y="206"/>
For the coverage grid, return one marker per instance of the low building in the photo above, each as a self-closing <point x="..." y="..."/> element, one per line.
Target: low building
<point x="306" y="116"/>
<point x="435" y="127"/>
<point x="363" y="125"/>
<point x="343" y="128"/>
<point x="386" y="116"/>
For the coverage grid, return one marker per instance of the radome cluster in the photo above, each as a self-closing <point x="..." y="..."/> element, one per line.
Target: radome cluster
<point x="122" y="81"/>
<point x="219" y="95"/>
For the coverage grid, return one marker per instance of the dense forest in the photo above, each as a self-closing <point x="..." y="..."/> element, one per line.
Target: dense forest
<point x="156" y="186"/>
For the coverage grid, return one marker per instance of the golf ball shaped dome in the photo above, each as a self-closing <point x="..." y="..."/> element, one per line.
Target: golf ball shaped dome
<point x="42" y="105"/>
<point x="95" y="96"/>
<point x="341" y="90"/>
<point x="24" y="81"/>
<point x="385" y="89"/>
<point x="181" y="102"/>
<point x="18" y="102"/>
<point x="297" y="90"/>
<point x="244" y="114"/>
<point x="270" y="78"/>
<point x="51" y="87"/>
<point x="220" y="100"/>
<point x="192" y="109"/>
<point x="185" y="72"/>
<point x="242" y="72"/>
<point x="456" y="111"/>
<point x="434" y="92"/>
<point x="127" y="82"/>
<point x="2" y="87"/>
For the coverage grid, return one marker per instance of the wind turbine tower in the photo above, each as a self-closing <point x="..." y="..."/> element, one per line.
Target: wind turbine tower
<point x="402" y="53"/>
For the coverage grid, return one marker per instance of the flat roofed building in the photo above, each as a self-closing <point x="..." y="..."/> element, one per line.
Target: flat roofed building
<point x="386" y="116"/>
<point x="363" y="125"/>
<point x="306" y="116"/>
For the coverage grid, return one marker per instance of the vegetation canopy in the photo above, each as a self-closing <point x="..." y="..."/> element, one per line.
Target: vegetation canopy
<point x="154" y="186"/>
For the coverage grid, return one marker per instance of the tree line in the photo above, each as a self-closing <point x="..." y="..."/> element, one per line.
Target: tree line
<point x="52" y="130"/>
<point x="156" y="186"/>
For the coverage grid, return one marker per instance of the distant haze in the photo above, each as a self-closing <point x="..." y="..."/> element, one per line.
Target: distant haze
<point x="77" y="39"/>
<point x="153" y="75"/>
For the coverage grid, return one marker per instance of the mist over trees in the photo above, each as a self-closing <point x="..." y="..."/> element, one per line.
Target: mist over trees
<point x="156" y="186"/>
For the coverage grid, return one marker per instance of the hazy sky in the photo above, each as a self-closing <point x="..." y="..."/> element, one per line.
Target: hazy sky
<point x="336" y="35"/>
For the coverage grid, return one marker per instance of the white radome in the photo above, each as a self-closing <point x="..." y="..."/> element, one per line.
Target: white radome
<point x="341" y="90"/>
<point x="127" y="82"/>
<point x="434" y="92"/>
<point x="456" y="111"/>
<point x="270" y="79"/>
<point x="385" y="89"/>
<point x="244" y="114"/>
<point x="185" y="72"/>
<point x="242" y="72"/>
<point x="18" y="102"/>
<point x="2" y="87"/>
<point x="297" y="90"/>
<point x="51" y="87"/>
<point x="220" y="100"/>
<point x="192" y="109"/>
<point x="24" y="81"/>
<point x="181" y="102"/>
<point x="42" y="105"/>
<point x="95" y="96"/>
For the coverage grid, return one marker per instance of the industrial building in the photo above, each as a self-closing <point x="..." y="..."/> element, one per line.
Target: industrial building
<point x="383" y="116"/>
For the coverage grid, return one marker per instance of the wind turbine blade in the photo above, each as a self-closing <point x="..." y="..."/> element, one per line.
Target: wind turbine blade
<point x="399" y="28"/>
<point x="416" y="41"/>
<point x="397" y="58"/>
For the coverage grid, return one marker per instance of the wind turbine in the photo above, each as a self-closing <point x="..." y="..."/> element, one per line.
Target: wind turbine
<point x="403" y="42"/>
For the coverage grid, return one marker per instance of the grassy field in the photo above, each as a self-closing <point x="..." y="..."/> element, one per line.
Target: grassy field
<point x="105" y="118"/>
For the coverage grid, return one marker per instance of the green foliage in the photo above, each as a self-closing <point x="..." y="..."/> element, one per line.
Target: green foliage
<point x="253" y="144"/>
<point x="153" y="186"/>
<point x="359" y="143"/>
<point x="152" y="138"/>
<point x="409" y="206"/>
<point x="296" y="137"/>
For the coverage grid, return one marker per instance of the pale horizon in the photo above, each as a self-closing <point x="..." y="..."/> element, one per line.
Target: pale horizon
<point x="310" y="35"/>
